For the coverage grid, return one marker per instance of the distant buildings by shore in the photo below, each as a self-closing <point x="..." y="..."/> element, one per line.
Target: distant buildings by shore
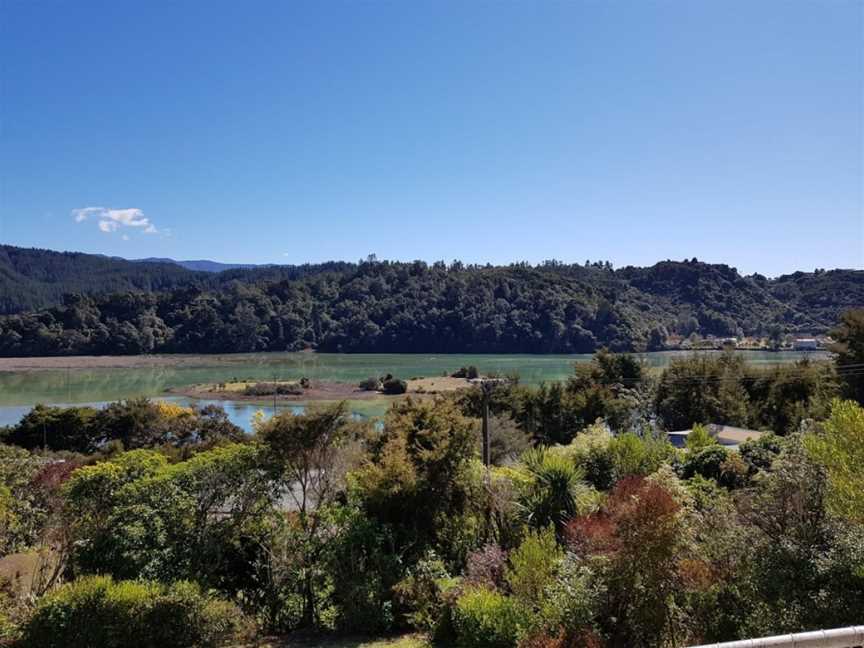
<point x="710" y="342"/>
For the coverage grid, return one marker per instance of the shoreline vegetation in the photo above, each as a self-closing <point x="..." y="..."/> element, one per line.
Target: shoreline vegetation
<point x="190" y="360"/>
<point x="315" y="390"/>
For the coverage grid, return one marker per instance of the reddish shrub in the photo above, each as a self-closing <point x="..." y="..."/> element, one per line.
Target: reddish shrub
<point x="696" y="575"/>
<point x="640" y="531"/>
<point x="639" y="493"/>
<point x="486" y="565"/>
<point x="592" y="534"/>
<point x="637" y="511"/>
<point x="579" y="639"/>
<point x="53" y="475"/>
<point x="545" y="640"/>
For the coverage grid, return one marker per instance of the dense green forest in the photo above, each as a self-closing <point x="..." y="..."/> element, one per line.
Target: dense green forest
<point x="378" y="306"/>
<point x="31" y="278"/>
<point x="149" y="524"/>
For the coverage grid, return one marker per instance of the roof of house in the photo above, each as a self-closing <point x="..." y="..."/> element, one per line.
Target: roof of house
<point x="727" y="435"/>
<point x="734" y="434"/>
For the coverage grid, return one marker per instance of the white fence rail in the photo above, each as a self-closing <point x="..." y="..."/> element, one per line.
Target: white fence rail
<point x="852" y="637"/>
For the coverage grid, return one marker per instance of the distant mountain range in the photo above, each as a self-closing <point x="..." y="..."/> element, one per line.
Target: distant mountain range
<point x="72" y="303"/>
<point x="202" y="265"/>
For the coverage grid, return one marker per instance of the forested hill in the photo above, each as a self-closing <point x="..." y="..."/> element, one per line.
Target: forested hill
<point x="32" y="278"/>
<point x="412" y="307"/>
<point x="820" y="294"/>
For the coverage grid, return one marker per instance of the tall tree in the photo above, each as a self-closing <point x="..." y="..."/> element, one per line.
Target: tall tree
<point x="305" y="454"/>
<point x="840" y="448"/>
<point x="849" y="347"/>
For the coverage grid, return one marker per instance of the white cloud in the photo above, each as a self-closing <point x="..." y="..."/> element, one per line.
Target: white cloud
<point x="125" y="237"/>
<point x="110" y="220"/>
<point x="85" y="212"/>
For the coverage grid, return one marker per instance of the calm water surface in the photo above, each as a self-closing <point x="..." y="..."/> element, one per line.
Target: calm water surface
<point x="20" y="390"/>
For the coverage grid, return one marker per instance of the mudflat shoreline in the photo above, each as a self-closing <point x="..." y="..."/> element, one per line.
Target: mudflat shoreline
<point x="119" y="362"/>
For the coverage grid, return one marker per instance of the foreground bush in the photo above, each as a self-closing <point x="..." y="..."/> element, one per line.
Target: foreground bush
<point x="533" y="566"/>
<point x="11" y="613"/>
<point x="421" y="592"/>
<point x="485" y="618"/>
<point x="98" y="611"/>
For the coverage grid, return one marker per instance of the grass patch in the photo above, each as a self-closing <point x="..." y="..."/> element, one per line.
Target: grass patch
<point x="243" y="385"/>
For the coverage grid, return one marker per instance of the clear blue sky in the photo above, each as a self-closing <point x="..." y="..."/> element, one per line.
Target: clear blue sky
<point x="287" y="132"/>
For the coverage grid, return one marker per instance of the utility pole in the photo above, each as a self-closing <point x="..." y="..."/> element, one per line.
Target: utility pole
<point x="486" y="386"/>
<point x="486" y="457"/>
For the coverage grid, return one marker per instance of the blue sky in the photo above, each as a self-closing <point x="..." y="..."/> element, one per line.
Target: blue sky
<point x="284" y="132"/>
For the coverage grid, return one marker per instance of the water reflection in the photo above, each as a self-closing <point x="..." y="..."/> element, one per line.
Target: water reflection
<point x="241" y="414"/>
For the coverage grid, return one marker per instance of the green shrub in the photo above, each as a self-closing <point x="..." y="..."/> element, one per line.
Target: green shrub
<point x="97" y="611"/>
<point x="760" y="453"/>
<point x="420" y="592"/>
<point x="273" y="388"/>
<point x="470" y="373"/>
<point x="394" y="386"/>
<point x="533" y="566"/>
<point x="421" y="480"/>
<point x="699" y="438"/>
<point x="599" y="466"/>
<point x="841" y="451"/>
<point x="364" y="568"/>
<point x="590" y="450"/>
<point x="572" y="599"/>
<point x="370" y="384"/>
<point x="633" y="455"/>
<point x="707" y="462"/>
<point x="483" y="618"/>
<point x="12" y="612"/>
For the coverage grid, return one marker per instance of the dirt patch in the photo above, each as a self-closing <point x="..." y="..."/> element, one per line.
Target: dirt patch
<point x="30" y="571"/>
<point x="437" y="385"/>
